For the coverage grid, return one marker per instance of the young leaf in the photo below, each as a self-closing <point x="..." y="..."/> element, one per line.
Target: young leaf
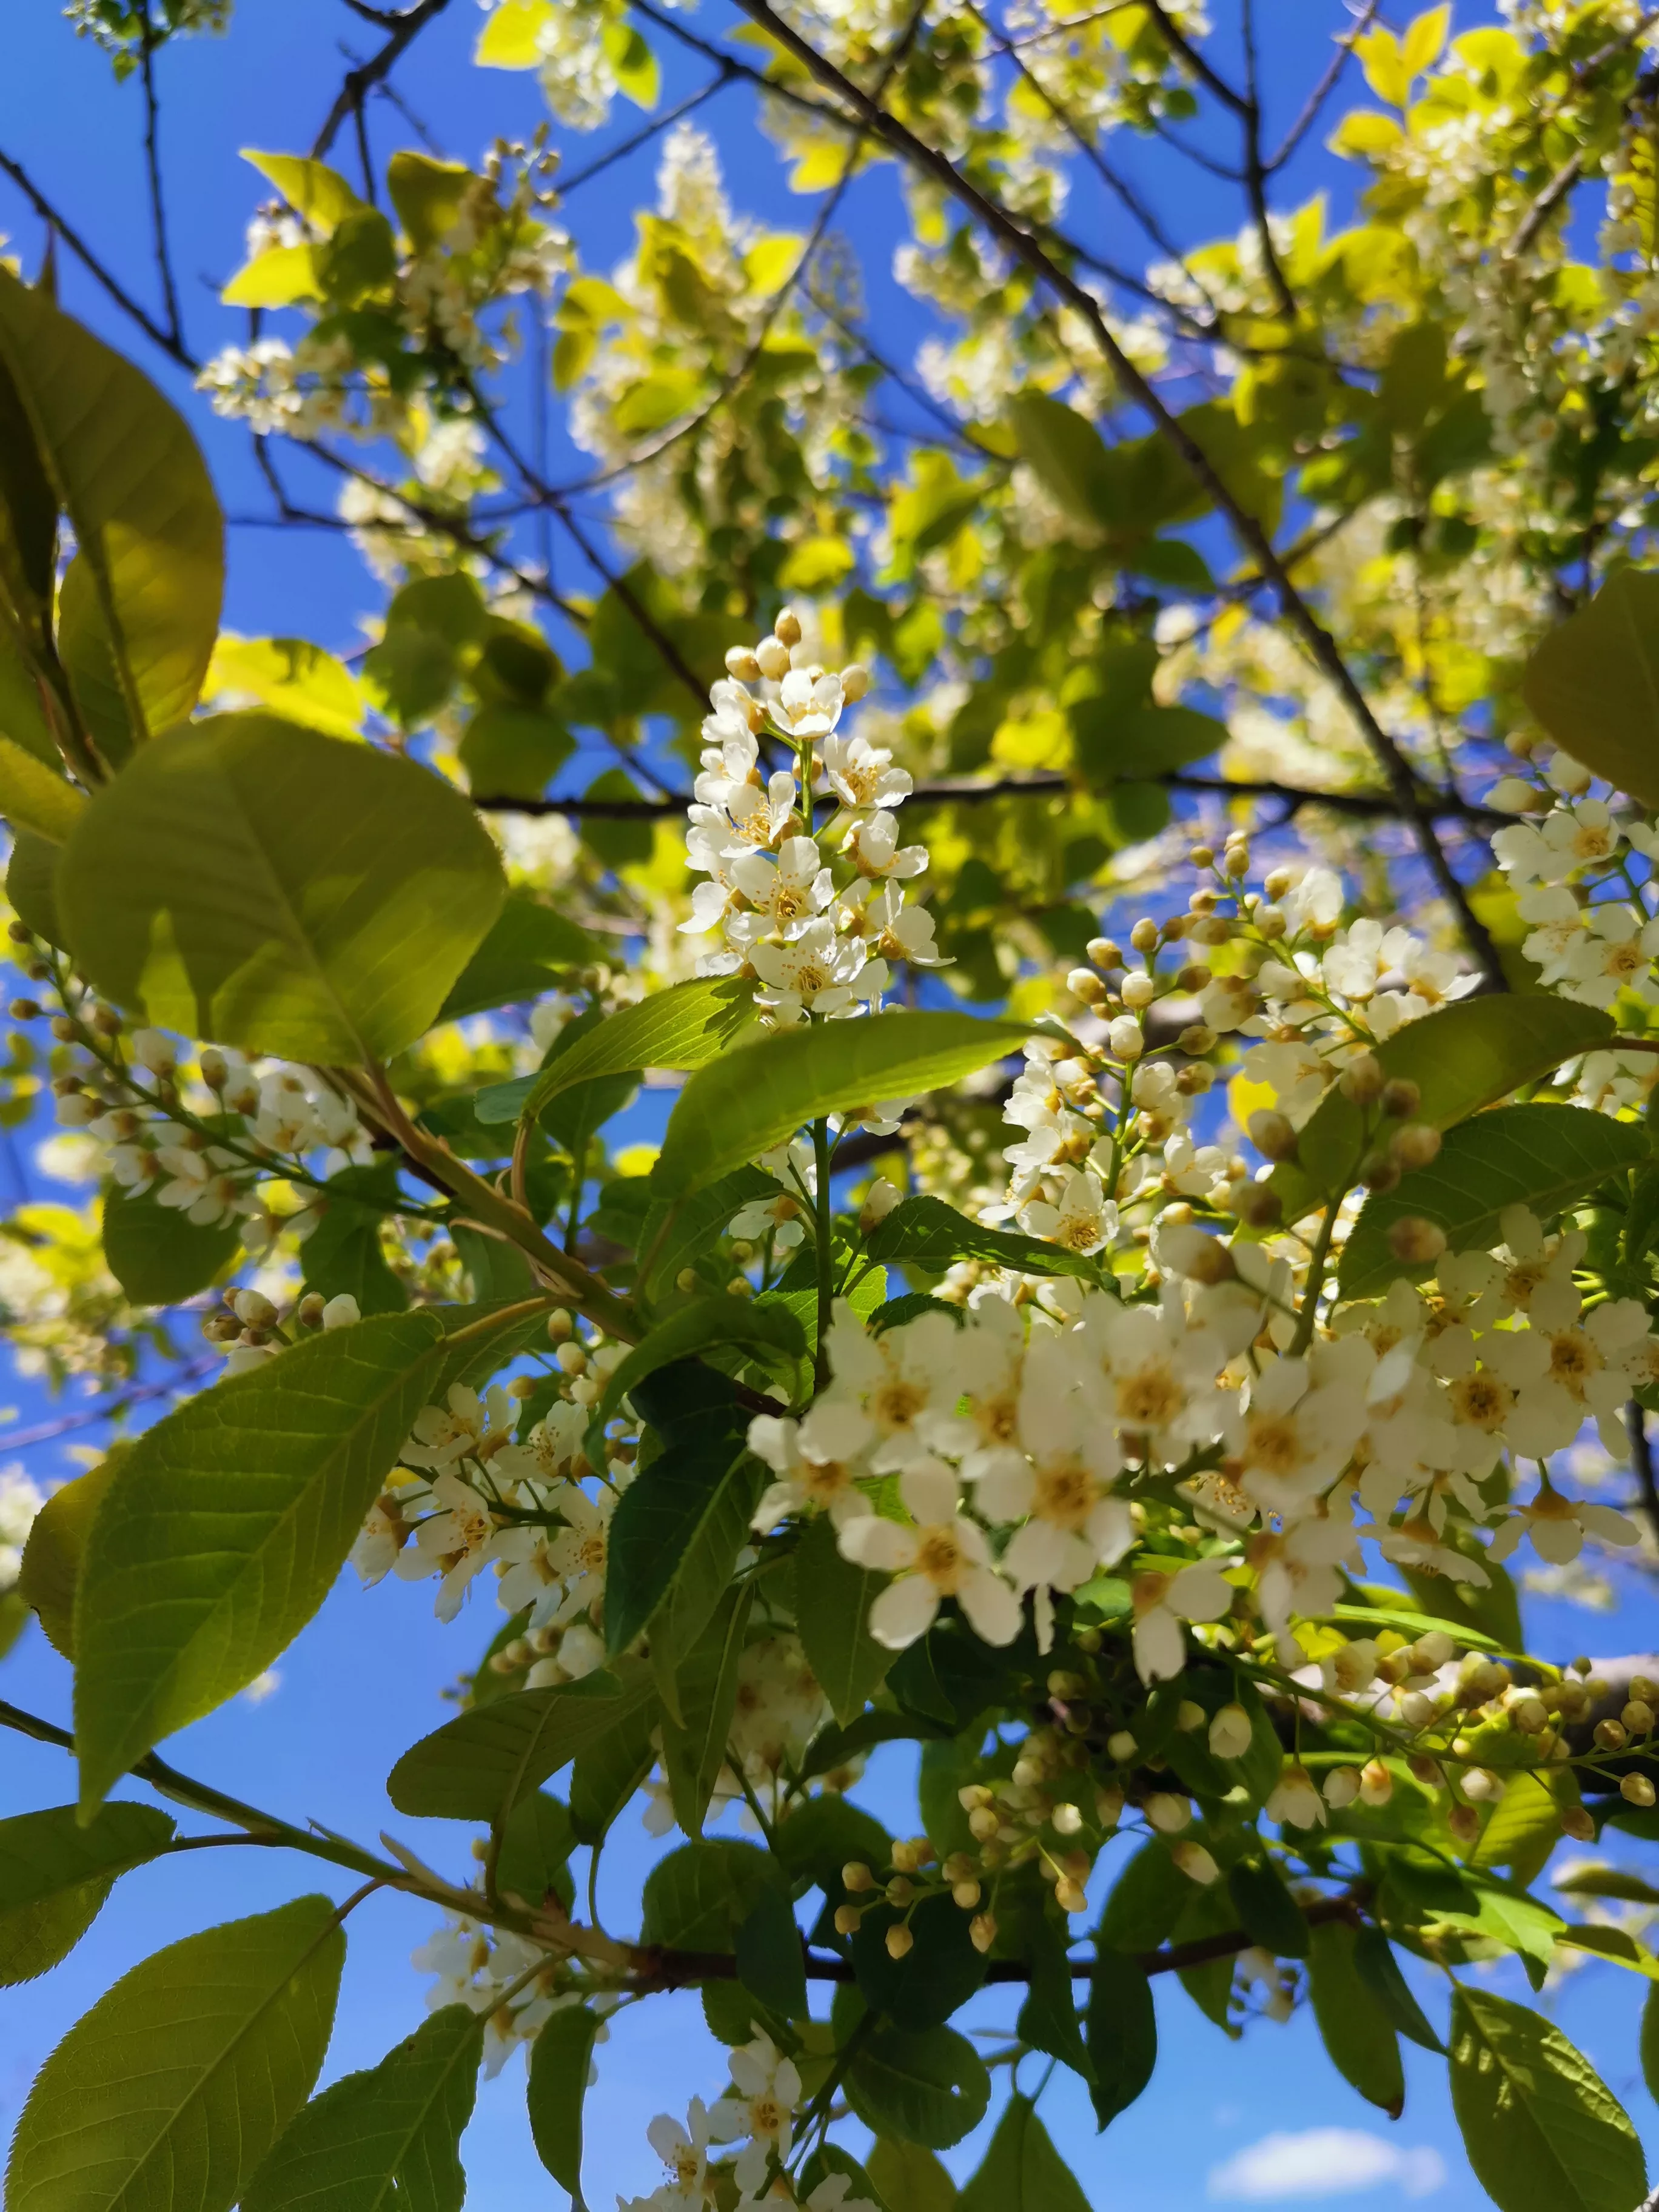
<point x="310" y="188"/>
<point x="1543" y="2131"/>
<point x="1461" y="1057"/>
<point x="147" y="530"/>
<point x="927" y="1233"/>
<point x="157" y="1253"/>
<point x="559" y="2060"/>
<point x="54" y="1876"/>
<point x="183" y="2075"/>
<point x="1123" y="2031"/>
<point x="833" y="1599"/>
<point x="477" y="1767"/>
<point x="1594" y="683"/>
<point x="386" y="2139"/>
<point x="225" y="1526"/>
<point x="684" y="1027"/>
<point x="56" y="1545"/>
<point x="1067" y="454"/>
<point x="1374" y="1959"/>
<point x="252" y="882"/>
<point x="1541" y="1157"/>
<point x="1022" y="2171"/>
<point x="34" y="797"/>
<point x="756" y="1096"/>
<point x="770" y="1332"/>
<point x="1359" y="2032"/>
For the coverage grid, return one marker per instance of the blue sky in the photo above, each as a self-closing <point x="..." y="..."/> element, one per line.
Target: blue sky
<point x="366" y="1679"/>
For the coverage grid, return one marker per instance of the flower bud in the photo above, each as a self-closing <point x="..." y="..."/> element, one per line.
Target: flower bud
<point x="983" y="1824"/>
<point x="1638" y="1716"/>
<point x="1464" y="1823"/>
<point x="1139" y="992"/>
<point x="856" y="1876"/>
<point x="900" y="1891"/>
<point x="1195" y="1862"/>
<point x="855" y="682"/>
<point x="1482" y="1786"/>
<point x="1257" y="1204"/>
<point x="1122" y="1747"/>
<point x="1529" y="1715"/>
<point x="1068" y="1820"/>
<point x="772" y="657"/>
<point x="309" y="1311"/>
<point x="1124" y="1038"/>
<point x="1143" y="935"/>
<point x="1376" y="1782"/>
<point x="982" y="1931"/>
<point x="1415" y="1241"/>
<point x="1237" y="859"/>
<point x="1401" y="1098"/>
<point x="1276" y="883"/>
<point x="1167" y="1812"/>
<point x="1196" y="1039"/>
<point x="1086" y="986"/>
<point x="24" y="1010"/>
<point x="740" y="662"/>
<point x="341" y="1311"/>
<point x="1341" y="1786"/>
<point x="1231" y="1733"/>
<point x="847" y="1917"/>
<point x="1415" y="1145"/>
<point x="1070" y="1896"/>
<point x="560" y="1326"/>
<point x="1576" y="1823"/>
<point x="1378" y="1172"/>
<point x="1202" y="856"/>
<point x="1361" y="1081"/>
<point x="1272" y="1135"/>
<point x="787" y="628"/>
<point x="1610" y="1735"/>
<point x="153" y="1049"/>
<point x="1104" y="952"/>
<point x="253" y="1309"/>
<point x="878" y="1202"/>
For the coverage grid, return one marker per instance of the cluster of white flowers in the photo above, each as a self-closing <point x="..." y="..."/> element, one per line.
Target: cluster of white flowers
<point x="477" y="1967"/>
<point x="815" y="946"/>
<point x="757" y="2112"/>
<point x="20" y="1501"/>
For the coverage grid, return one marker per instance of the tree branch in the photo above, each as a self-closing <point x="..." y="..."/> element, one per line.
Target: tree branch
<point x="360" y="82"/>
<point x="1320" y="644"/>
<point x="169" y="344"/>
<point x="153" y="168"/>
<point x="1180" y="45"/>
<point x="1327" y="85"/>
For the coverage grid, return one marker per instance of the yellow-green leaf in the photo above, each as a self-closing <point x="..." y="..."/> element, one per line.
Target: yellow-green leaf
<point x="250" y="881"/>
<point x="1594" y="684"/>
<point x="510" y="38"/>
<point x="56" y="1545"/>
<point x="275" y="278"/>
<point x="34" y="797"/>
<point x="1543" y="2131"/>
<point x="310" y="188"/>
<point x="289" y="675"/>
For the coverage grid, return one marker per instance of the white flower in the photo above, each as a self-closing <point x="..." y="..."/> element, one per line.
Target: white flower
<point x="1162" y="1603"/>
<point x="465" y="1426"/>
<point x="941" y="1555"/>
<point x="341" y="1311"/>
<point x="806" y="1482"/>
<point x="1152" y="1377"/>
<point x="457" y="1540"/>
<point x="885" y="1389"/>
<point x="863" y="777"/>
<point x="765" y="2089"/>
<point x="1297" y="1439"/>
<point x="1558" y="1526"/>
<point x="1568" y="837"/>
<point x="1081" y="1218"/>
<point x="786" y="893"/>
<point x="1072" y="1524"/>
<point x="20" y="1501"/>
<point x="1613" y="953"/>
<point x="810" y="701"/>
<point x="1294" y="1802"/>
<point x="813" y="974"/>
<point x="684" y="2151"/>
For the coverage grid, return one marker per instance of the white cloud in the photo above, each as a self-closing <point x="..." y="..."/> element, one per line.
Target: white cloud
<point x="1323" y="2162"/>
<point x="262" y="1687"/>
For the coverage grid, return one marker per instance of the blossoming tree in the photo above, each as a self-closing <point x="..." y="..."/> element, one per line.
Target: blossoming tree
<point x="1144" y="879"/>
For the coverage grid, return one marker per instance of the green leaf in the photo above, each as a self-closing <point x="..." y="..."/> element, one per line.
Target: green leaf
<point x="478" y="1766"/>
<point x="604" y="1776"/>
<point x="559" y="2060"/>
<point x="56" y="1545"/>
<point x="1122" y="2029"/>
<point x="674" y="1237"/>
<point x="182" y="2076"/>
<point x="1541" y="1157"/>
<point x="226" y="1524"/>
<point x="123" y="463"/>
<point x="935" y="1978"/>
<point x="292" y="677"/>
<point x="908" y="2178"/>
<point x="1022" y="2171"/>
<point x="511" y="751"/>
<point x="386" y="2139"/>
<point x="159" y="1256"/>
<point x="1116" y="745"/>
<point x="770" y="1966"/>
<point x="821" y="1835"/>
<point x="697" y="1709"/>
<point x="931" y="2088"/>
<point x="1069" y="456"/>
<point x="34" y="797"/>
<point x="537" y="1838"/>
<point x="249" y="881"/>
<point x="530" y="950"/>
<point x="927" y="1233"/>
<point x="275" y="278"/>
<point x="756" y="1096"/>
<point x="55" y="1875"/>
<point x="428" y="194"/>
<point x="1359" y="2032"/>
<point x="1522" y="1830"/>
<point x="1649" y="2044"/>
<point x="1374" y="1959"/>
<point x="31" y="885"/>
<point x="771" y="1332"/>
<point x="1266" y="1912"/>
<point x="833" y="1599"/>
<point x="683" y="1027"/>
<point x="1461" y="1057"/>
<point x="1609" y="1882"/>
<point x="1543" y="2131"/>
<point x="1145" y="1902"/>
<point x="698" y="1897"/>
<point x="676" y="1532"/>
<point x="633" y="62"/>
<point x="1048" y="2017"/>
<point x="1594" y="684"/>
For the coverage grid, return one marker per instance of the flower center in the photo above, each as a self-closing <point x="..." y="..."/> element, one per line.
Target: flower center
<point x="1149" y="1399"/>
<point x="897" y="1404"/>
<point x="938" y="1556"/>
<point x="1482" y="1399"/>
<point x="1274" y="1446"/>
<point x="1064" y="1493"/>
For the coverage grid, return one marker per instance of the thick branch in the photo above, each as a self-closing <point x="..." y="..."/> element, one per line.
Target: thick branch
<point x="1320" y="644"/>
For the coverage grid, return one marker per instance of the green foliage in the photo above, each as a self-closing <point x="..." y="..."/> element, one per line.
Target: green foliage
<point x="1594" y="683"/>
<point x="770" y="1333"/>
<point x="1121" y="2030"/>
<point x="699" y="1896"/>
<point x="56" y="1545"/>
<point x="1022" y="2171"/>
<point x="1541" y="1156"/>
<point x="1541" y="2127"/>
<point x="559" y="2060"/>
<point x="185" y="2073"/>
<point x="529" y="949"/>
<point x="683" y="1028"/>
<point x="930" y="2088"/>
<point x="1359" y="2032"/>
<point x="159" y="1256"/>
<point x="388" y="2136"/>
<point x="479" y="1766"/>
<point x="55" y="1875"/>
<point x="252" y="882"/>
<point x="758" y="1095"/>
<point x="225" y="1525"/>
<point x="833" y="1598"/>
<point x="925" y="1232"/>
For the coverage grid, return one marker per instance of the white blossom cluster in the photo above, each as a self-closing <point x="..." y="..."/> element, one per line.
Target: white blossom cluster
<point x="477" y="1967"/>
<point x="20" y="1501"/>
<point x="814" y="945"/>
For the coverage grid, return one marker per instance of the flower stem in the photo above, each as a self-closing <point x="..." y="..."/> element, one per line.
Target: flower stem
<point x="826" y="1256"/>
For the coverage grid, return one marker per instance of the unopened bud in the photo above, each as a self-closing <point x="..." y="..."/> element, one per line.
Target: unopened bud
<point x="983" y="1824"/>
<point x="309" y="1311"/>
<point x="900" y="1891"/>
<point x="1068" y="1820"/>
<point x="1576" y="1823"/>
<point x="1070" y="1896"/>
<point x="1379" y="1172"/>
<point x="1139" y="992"/>
<point x="772" y="658"/>
<point x="1231" y="1733"/>
<point x="1202" y="856"/>
<point x="1167" y="1812"/>
<point x="1376" y="1782"/>
<point x="855" y="682"/>
<point x="982" y="1931"/>
<point x="1361" y="1080"/>
<point x="24" y="1010"/>
<point x="787" y="628"/>
<point x="1122" y="1747"/>
<point x="1464" y="1823"/>
<point x="1341" y="1786"/>
<point x="1611" y="1736"/>
<point x="740" y="662"/>
<point x="1415" y="1145"/>
<point x="560" y="1326"/>
<point x="878" y="1202"/>
<point x="856" y="1876"/>
<point x="1276" y="883"/>
<point x="1636" y="1789"/>
<point x="1401" y="1098"/>
<point x="1143" y="935"/>
<point x="1085" y="986"/>
<point x="847" y="1917"/>
<point x="1196" y="1039"/>
<point x="1195" y="1862"/>
<point x="1272" y="1135"/>
<point x="253" y="1309"/>
<point x="1104" y="952"/>
<point x="1638" y="1716"/>
<point x="1415" y="1241"/>
<point x="1257" y="1204"/>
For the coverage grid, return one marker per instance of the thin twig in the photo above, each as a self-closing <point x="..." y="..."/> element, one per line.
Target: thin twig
<point x="1326" y="86"/>
<point x="648" y="131"/>
<point x="1641" y="1453"/>
<point x="169" y="344"/>
<point x="158" y="214"/>
<point x="360" y="81"/>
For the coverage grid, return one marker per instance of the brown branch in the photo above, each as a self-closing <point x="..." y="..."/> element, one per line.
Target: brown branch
<point x="648" y="131"/>
<point x="61" y="226"/>
<point x="1180" y="45"/>
<point x="152" y="170"/>
<point x="1255" y="172"/>
<point x="1318" y="640"/>
<point x="1641" y="1454"/>
<point x="1327" y="85"/>
<point x="1545" y="205"/>
<point x="360" y="82"/>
